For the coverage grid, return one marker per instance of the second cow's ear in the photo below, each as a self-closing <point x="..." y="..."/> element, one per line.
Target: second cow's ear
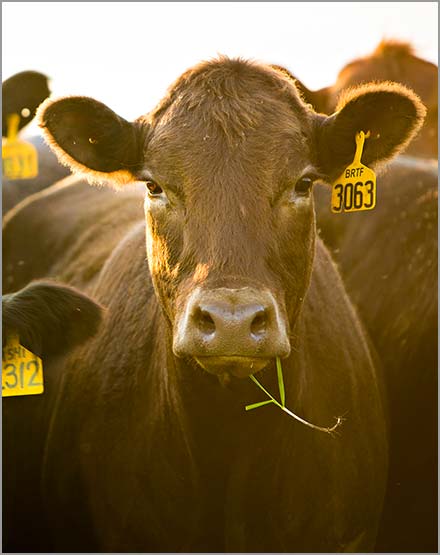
<point x="90" y="138"/>
<point x="319" y="100"/>
<point x="390" y="112"/>
<point x="50" y="318"/>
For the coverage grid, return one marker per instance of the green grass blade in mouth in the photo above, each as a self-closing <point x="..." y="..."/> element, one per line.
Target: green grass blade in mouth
<point x="328" y="430"/>
<point x="256" y="405"/>
<point x="281" y="382"/>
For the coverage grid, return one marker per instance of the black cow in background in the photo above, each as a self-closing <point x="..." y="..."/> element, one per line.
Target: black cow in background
<point x="50" y="320"/>
<point x="22" y="94"/>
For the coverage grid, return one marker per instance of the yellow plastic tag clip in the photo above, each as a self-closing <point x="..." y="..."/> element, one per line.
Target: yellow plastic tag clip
<point x="355" y="188"/>
<point x="22" y="371"/>
<point x="20" y="158"/>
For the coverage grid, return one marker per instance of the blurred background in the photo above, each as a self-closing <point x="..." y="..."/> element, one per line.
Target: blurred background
<point x="126" y="54"/>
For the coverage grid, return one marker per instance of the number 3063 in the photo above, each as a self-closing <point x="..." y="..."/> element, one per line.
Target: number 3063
<point x="349" y="197"/>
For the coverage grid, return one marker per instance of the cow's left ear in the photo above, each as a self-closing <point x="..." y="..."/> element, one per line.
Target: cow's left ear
<point x="391" y="113"/>
<point x="50" y="318"/>
<point x="92" y="139"/>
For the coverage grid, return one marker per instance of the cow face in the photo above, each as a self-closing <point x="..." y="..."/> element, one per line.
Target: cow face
<point x="228" y="158"/>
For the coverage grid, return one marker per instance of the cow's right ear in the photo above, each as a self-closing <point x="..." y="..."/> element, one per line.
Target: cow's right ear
<point x="90" y="138"/>
<point x="392" y="114"/>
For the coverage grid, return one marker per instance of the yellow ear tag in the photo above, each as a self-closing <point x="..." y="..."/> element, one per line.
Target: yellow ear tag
<point x="22" y="371"/>
<point x="355" y="189"/>
<point x="20" y="158"/>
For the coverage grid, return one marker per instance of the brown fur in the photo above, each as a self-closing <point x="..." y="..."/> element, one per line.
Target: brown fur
<point x="145" y="451"/>
<point x="407" y="114"/>
<point x="403" y="228"/>
<point x="395" y="314"/>
<point x="49" y="318"/>
<point x="117" y="178"/>
<point x="100" y="235"/>
<point x="391" y="61"/>
<point x="49" y="171"/>
<point x="394" y="47"/>
<point x="388" y="258"/>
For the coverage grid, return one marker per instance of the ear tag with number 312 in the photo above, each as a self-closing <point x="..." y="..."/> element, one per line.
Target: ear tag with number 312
<point x="20" y="158"/>
<point x="22" y="371"/>
<point x="355" y="188"/>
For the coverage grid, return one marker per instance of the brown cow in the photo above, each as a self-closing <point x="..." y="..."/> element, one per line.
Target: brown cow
<point x="391" y="61"/>
<point x="146" y="450"/>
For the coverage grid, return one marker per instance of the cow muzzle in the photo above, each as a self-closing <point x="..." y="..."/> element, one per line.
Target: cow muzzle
<point x="231" y="330"/>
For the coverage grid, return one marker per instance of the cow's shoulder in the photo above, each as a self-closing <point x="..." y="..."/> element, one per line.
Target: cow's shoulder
<point x="66" y="231"/>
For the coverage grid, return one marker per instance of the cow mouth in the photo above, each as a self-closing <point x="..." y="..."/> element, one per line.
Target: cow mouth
<point x="238" y="366"/>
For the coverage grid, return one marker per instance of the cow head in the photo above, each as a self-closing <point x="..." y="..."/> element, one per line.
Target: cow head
<point x="229" y="158"/>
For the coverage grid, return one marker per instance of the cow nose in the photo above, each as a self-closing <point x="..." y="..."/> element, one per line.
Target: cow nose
<point x="246" y="320"/>
<point x="224" y="324"/>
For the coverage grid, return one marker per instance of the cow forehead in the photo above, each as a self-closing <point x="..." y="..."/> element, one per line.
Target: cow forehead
<point x="232" y="98"/>
<point x="230" y="110"/>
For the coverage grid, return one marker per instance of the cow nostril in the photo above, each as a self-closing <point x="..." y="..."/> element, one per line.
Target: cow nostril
<point x="259" y="323"/>
<point x="204" y="322"/>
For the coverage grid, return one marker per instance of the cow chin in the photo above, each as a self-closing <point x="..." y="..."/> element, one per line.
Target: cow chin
<point x="237" y="366"/>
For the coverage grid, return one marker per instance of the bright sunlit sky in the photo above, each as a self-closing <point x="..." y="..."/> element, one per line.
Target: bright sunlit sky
<point x="126" y="54"/>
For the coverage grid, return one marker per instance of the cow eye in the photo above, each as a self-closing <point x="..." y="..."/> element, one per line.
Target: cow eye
<point x="303" y="186"/>
<point x="153" y="188"/>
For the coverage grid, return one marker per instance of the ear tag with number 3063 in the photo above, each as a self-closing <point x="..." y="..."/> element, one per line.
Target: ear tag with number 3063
<point x="20" y="158"/>
<point x="22" y="371"/>
<point x="355" y="188"/>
